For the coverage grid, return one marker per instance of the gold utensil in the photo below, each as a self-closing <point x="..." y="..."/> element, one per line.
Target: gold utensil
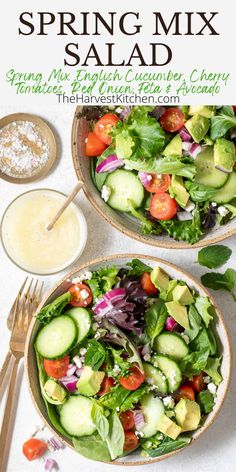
<point x="25" y="306"/>
<point x="69" y="199"/>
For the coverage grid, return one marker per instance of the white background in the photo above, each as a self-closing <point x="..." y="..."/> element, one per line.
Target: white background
<point x="215" y="451"/>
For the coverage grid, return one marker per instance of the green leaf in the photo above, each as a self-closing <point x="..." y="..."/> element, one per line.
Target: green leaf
<point x="168" y="445"/>
<point x="95" y="355"/>
<point x="206" y="401"/>
<point x="122" y="363"/>
<point x="166" y="295"/>
<point x="218" y="281"/>
<point x="194" y="363"/>
<point x="211" y="369"/>
<point x="115" y="397"/>
<point x="48" y="312"/>
<point x="138" y="268"/>
<point x="199" y="192"/>
<point x="133" y="398"/>
<point x="189" y="231"/>
<point x="204" y="342"/>
<point x="155" y="318"/>
<point x="214" y="256"/>
<point x="173" y="165"/>
<point x="100" y="420"/>
<point x="205" y="309"/>
<point x="116" y="437"/>
<point x="194" y="322"/>
<point x="92" y="447"/>
<point x="222" y="122"/>
<point x="103" y="280"/>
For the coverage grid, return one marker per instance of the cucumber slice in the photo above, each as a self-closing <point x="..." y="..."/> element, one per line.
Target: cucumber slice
<point x="155" y="377"/>
<point x="228" y="191"/>
<point x="171" y="344"/>
<point x="207" y="174"/>
<point x="83" y="321"/>
<point x="127" y="191"/>
<point x="75" y="416"/>
<point x="57" y="338"/>
<point x="152" y="408"/>
<point x="170" y="369"/>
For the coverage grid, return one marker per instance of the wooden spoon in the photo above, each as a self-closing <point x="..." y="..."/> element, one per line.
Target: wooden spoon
<point x="69" y="199"/>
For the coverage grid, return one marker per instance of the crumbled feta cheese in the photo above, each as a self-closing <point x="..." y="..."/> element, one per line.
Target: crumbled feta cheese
<point x="212" y="388"/>
<point x="223" y="211"/>
<point x="149" y="177"/>
<point x="148" y="444"/>
<point x="185" y="338"/>
<point x="160" y="437"/>
<point x="83" y="351"/>
<point x="85" y="276"/>
<point x="116" y="369"/>
<point x="214" y="204"/>
<point x="169" y="402"/>
<point x="97" y="335"/>
<point x="139" y="434"/>
<point x="206" y="379"/>
<point x="190" y="206"/>
<point x="119" y="110"/>
<point x="77" y="361"/>
<point x="106" y="192"/>
<point x="117" y="408"/>
<point x="147" y="357"/>
<point x="84" y="294"/>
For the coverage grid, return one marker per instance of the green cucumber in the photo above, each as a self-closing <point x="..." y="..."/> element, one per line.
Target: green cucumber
<point x="152" y="408"/>
<point x="126" y="190"/>
<point x="228" y="191"/>
<point x="83" y="321"/>
<point x="57" y="338"/>
<point x="170" y="369"/>
<point x="75" y="416"/>
<point x="171" y="344"/>
<point x="207" y="174"/>
<point x="155" y="377"/>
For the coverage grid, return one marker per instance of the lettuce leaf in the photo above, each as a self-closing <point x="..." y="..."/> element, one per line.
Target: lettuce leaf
<point x="205" y="309"/>
<point x="92" y="447"/>
<point x="211" y="369"/>
<point x="189" y="231"/>
<point x="199" y="192"/>
<point x="222" y="122"/>
<point x="194" y="363"/>
<point x="155" y="318"/>
<point x="206" y="401"/>
<point x="167" y="445"/>
<point x="103" y="280"/>
<point x="173" y="165"/>
<point x="53" y="309"/>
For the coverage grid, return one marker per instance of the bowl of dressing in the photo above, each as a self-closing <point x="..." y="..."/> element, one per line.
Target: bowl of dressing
<point x="29" y="244"/>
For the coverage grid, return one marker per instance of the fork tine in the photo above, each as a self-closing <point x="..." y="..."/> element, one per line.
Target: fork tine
<point x="15" y="304"/>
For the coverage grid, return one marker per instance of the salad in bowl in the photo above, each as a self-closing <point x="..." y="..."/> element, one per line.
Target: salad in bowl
<point x="164" y="172"/>
<point x="128" y="360"/>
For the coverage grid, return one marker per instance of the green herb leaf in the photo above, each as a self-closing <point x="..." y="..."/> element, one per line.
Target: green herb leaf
<point x="211" y="369"/>
<point x="155" y="318"/>
<point x="203" y="342"/>
<point x="54" y="309"/>
<point x="102" y="281"/>
<point x="194" y="363"/>
<point x="100" y="420"/>
<point x="95" y="355"/>
<point x="164" y="165"/>
<point x="168" y="445"/>
<point x="205" y="309"/>
<point x="115" y="397"/>
<point x="116" y="437"/>
<point x="222" y="122"/>
<point x="206" y="401"/>
<point x="133" y="398"/>
<point x="92" y="447"/>
<point x="214" y="256"/>
<point x="218" y="281"/>
<point x="138" y="268"/>
<point x="195" y="323"/>
<point x="199" y="192"/>
<point x="122" y="363"/>
<point x="189" y="231"/>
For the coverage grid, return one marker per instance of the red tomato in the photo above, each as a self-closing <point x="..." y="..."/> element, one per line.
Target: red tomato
<point x="106" y="385"/>
<point x="134" y="379"/>
<point x="77" y="299"/>
<point x="234" y="107"/>
<point x="159" y="183"/>
<point x="94" y="146"/>
<point x="131" y="441"/>
<point x="147" y="284"/>
<point x="185" y="391"/>
<point x="163" y="207"/>
<point x="104" y="126"/>
<point x="198" y="383"/>
<point x="172" y="120"/>
<point x="56" y="368"/>
<point x="34" y="448"/>
<point x="127" y="420"/>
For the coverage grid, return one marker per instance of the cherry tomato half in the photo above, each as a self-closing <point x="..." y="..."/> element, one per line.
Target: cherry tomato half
<point x="198" y="383"/>
<point x="106" y="385"/>
<point x="34" y="448"/>
<point x="159" y="183"/>
<point x="127" y="420"/>
<point x="104" y="126"/>
<point x="131" y="441"/>
<point x="134" y="379"/>
<point x="56" y="368"/>
<point x="147" y="284"/>
<point x="81" y="295"/>
<point x="94" y="146"/>
<point x="234" y="107"/>
<point x="163" y="207"/>
<point x="172" y="120"/>
<point x="185" y="391"/>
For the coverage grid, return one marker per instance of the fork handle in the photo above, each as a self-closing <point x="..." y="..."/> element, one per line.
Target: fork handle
<point x="4" y="370"/>
<point x="4" y="438"/>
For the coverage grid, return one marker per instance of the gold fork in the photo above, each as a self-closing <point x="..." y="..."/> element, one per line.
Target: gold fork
<point x="25" y="307"/>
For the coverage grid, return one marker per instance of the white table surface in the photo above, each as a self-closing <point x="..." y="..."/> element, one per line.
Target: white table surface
<point x="214" y="451"/>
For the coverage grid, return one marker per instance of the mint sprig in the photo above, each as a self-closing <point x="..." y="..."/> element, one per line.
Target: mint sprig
<point x="214" y="256"/>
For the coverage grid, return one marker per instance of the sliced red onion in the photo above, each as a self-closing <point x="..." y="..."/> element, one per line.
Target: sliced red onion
<point x="170" y="323"/>
<point x="223" y="169"/>
<point x="79" y="371"/>
<point x="184" y="215"/>
<point x="71" y="370"/>
<point x="69" y="383"/>
<point x="139" y="420"/>
<point x="195" y="149"/>
<point x="55" y="443"/>
<point x="105" y="304"/>
<point x="186" y="146"/>
<point x="145" y="178"/>
<point x="125" y="112"/>
<point x="184" y="134"/>
<point x="50" y="464"/>
<point x="109" y="164"/>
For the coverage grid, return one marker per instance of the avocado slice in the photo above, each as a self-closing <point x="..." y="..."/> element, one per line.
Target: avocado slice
<point x="202" y="110"/>
<point x="198" y="127"/>
<point x="179" y="191"/>
<point x="188" y="414"/>
<point x="178" y="312"/>
<point x="159" y="278"/>
<point x="54" y="393"/>
<point x="182" y="294"/>
<point x="168" y="427"/>
<point x="224" y="155"/>
<point x="90" y="381"/>
<point x="174" y="148"/>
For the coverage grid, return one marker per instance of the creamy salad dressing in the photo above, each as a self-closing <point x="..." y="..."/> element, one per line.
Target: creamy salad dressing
<point x="28" y="242"/>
